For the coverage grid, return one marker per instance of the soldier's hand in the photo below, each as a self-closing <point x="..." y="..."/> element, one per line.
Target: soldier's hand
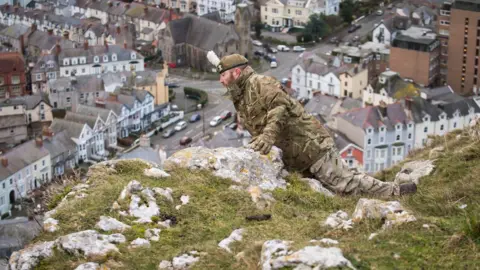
<point x="262" y="144"/>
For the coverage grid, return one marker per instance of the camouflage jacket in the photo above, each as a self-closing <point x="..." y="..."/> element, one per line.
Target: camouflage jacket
<point x="264" y="108"/>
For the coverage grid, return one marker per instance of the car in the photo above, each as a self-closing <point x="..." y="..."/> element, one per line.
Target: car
<point x="356" y="38"/>
<point x="272" y="50"/>
<point x="283" y="48"/>
<point x="259" y="53"/>
<point x="270" y="57"/>
<point x="354" y="27"/>
<point x="171" y="85"/>
<point x="298" y="49"/>
<point x="185" y="140"/>
<point x="195" y="117"/>
<point x="174" y="107"/>
<point x="225" y="115"/>
<point x="257" y="43"/>
<point x="168" y="133"/>
<point x="232" y="126"/>
<point x="215" y="121"/>
<point x="333" y="40"/>
<point x="379" y="12"/>
<point x="273" y="64"/>
<point x="181" y="126"/>
<point x="328" y="53"/>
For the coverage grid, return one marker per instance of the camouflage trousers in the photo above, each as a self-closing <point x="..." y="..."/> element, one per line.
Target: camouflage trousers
<point x="334" y="174"/>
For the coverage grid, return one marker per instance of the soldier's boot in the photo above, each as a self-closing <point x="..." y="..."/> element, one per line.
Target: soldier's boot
<point x="408" y="188"/>
<point x="334" y="174"/>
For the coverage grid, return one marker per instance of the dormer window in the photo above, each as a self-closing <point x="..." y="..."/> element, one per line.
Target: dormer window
<point x="66" y="62"/>
<point x="370" y="130"/>
<point x="124" y="79"/>
<point x="134" y="56"/>
<point x="426" y="119"/>
<point x="74" y="61"/>
<point x="114" y="57"/>
<point x="399" y="127"/>
<point x="382" y="129"/>
<point x="83" y="60"/>
<point x="442" y="116"/>
<point x="95" y="59"/>
<point x="105" y="58"/>
<point x="410" y="125"/>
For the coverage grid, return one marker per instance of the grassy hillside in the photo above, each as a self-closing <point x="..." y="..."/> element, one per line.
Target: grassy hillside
<point x="214" y="211"/>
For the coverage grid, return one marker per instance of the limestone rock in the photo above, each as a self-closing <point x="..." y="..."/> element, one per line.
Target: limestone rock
<point x="244" y="166"/>
<point x="165" y="265"/>
<point x="167" y="193"/>
<point x="413" y="171"/>
<point x="86" y="243"/>
<point x="80" y="187"/>
<point x="184" y="199"/>
<point x="325" y="241"/>
<point x="153" y="234"/>
<point x="115" y="206"/>
<point x="29" y="257"/>
<point x="261" y="199"/>
<point x="436" y="152"/>
<point x="143" y="212"/>
<point x="140" y="242"/>
<point x="132" y="186"/>
<point x="276" y="255"/>
<point x="315" y="185"/>
<point x="110" y="224"/>
<point x="339" y="220"/>
<point x="155" y="173"/>
<point x="50" y="224"/>
<point x="392" y="212"/>
<point x="236" y="235"/>
<point x="88" y="266"/>
<point x="165" y="223"/>
<point x="116" y="238"/>
<point x="149" y="194"/>
<point x="184" y="261"/>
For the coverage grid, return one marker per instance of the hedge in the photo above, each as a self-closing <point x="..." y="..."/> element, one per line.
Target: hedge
<point x="171" y="95"/>
<point x="197" y="94"/>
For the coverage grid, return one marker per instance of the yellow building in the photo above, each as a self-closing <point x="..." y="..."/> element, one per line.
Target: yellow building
<point x="353" y="82"/>
<point x="153" y="82"/>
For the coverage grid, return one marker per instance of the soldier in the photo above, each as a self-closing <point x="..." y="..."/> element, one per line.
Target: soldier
<point x="274" y="118"/>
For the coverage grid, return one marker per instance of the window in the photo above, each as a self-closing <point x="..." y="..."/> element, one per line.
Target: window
<point x="369" y="153"/>
<point x="370" y="130"/>
<point x="74" y="61"/>
<point x="105" y="58"/>
<point x="274" y="10"/>
<point x="399" y="127"/>
<point x="2" y="199"/>
<point x="38" y="77"/>
<point x="349" y="152"/>
<point x="15" y="79"/>
<point x="43" y="162"/>
<point x="35" y="167"/>
<point x="410" y="125"/>
<point x="381" y="139"/>
<point x="369" y="141"/>
<point x="134" y="56"/>
<point x="298" y="12"/>
<point x="398" y="138"/>
<point x="425" y="129"/>
<point x="68" y="100"/>
<point x="441" y="127"/>
<point x="454" y="124"/>
<point x="382" y="129"/>
<point x="65" y="62"/>
<point x="114" y="57"/>
<point x="66" y="72"/>
<point x="409" y="136"/>
<point x="42" y="116"/>
<point x="95" y="59"/>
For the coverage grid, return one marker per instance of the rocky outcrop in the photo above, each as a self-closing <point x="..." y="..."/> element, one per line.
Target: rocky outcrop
<point x="110" y="224"/>
<point x="29" y="257"/>
<point x="276" y="254"/>
<point x="139" y="242"/>
<point x="392" y="212"/>
<point x="155" y="173"/>
<point x="414" y="170"/>
<point x="339" y="220"/>
<point x="181" y="262"/>
<point x="50" y="224"/>
<point x="236" y="235"/>
<point x="86" y="243"/>
<point x="244" y="166"/>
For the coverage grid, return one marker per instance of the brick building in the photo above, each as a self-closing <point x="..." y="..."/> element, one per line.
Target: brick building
<point x="12" y="75"/>
<point x="443" y="30"/>
<point x="464" y="46"/>
<point x="415" y="55"/>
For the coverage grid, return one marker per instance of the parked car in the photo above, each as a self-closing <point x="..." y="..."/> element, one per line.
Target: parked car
<point x="333" y="40"/>
<point x="273" y="64"/>
<point x="354" y="27"/>
<point x="174" y="107"/>
<point x="181" y="126"/>
<point x="379" y="12"/>
<point x="168" y="133"/>
<point x="225" y="115"/>
<point x="390" y="6"/>
<point x="257" y="43"/>
<point x="171" y="85"/>
<point x="215" y="121"/>
<point x="195" y="117"/>
<point x="272" y="50"/>
<point x="328" y="53"/>
<point x="259" y="53"/>
<point x="283" y="48"/>
<point x="298" y="49"/>
<point x="232" y="125"/>
<point x="185" y="140"/>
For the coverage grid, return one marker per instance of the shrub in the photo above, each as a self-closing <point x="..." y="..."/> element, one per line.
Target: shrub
<point x="196" y="94"/>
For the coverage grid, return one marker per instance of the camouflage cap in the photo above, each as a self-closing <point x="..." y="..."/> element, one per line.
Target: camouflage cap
<point x="231" y="61"/>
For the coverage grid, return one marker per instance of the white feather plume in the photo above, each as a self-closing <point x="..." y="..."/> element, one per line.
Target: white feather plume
<point x="213" y="58"/>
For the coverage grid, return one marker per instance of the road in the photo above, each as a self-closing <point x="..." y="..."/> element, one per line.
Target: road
<point x="218" y="103"/>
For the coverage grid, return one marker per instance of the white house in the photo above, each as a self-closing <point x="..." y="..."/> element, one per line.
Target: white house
<point x="226" y="8"/>
<point x="81" y="134"/>
<point x="22" y="169"/>
<point x="384" y="89"/>
<point x="108" y="118"/>
<point x="382" y="33"/>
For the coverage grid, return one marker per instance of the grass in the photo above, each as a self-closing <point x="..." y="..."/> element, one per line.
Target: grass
<point x="214" y="211"/>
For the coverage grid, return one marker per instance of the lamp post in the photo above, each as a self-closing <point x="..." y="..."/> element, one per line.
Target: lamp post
<point x="200" y="106"/>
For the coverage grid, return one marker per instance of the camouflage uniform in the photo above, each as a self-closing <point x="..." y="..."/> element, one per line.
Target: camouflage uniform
<point x="274" y="118"/>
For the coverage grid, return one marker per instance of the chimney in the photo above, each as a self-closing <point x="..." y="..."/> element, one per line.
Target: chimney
<point x="34" y="27"/>
<point x="144" y="141"/>
<point x="105" y="43"/>
<point x="58" y="49"/>
<point x="39" y="142"/>
<point x="50" y="32"/>
<point x="85" y="45"/>
<point x="125" y="44"/>
<point x="4" y="162"/>
<point x="16" y="9"/>
<point x="7" y="7"/>
<point x="383" y="108"/>
<point x="145" y="10"/>
<point x="110" y="4"/>
<point x="355" y="70"/>
<point x="119" y="29"/>
<point x="65" y="35"/>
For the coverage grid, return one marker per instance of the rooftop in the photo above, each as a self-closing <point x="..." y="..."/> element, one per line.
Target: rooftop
<point x="363" y="50"/>
<point x="417" y="34"/>
<point x="22" y="156"/>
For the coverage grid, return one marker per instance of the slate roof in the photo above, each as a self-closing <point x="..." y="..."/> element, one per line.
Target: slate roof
<point x="10" y="102"/>
<point x="155" y="15"/>
<point x="73" y="129"/>
<point x="92" y="111"/>
<point x="341" y="141"/>
<point x="59" y="143"/>
<point x="312" y="63"/>
<point x="114" y="106"/>
<point x="201" y="32"/>
<point x="45" y="60"/>
<point x="88" y="84"/>
<point x="44" y="41"/>
<point x="393" y="84"/>
<point x="441" y="94"/>
<point x="321" y="104"/>
<point x="22" y="156"/>
<point x="14" y="31"/>
<point x="372" y="117"/>
<point x="9" y="121"/>
<point x="421" y="107"/>
<point x="81" y="118"/>
<point x="31" y="101"/>
<point x="92" y="51"/>
<point x="213" y="16"/>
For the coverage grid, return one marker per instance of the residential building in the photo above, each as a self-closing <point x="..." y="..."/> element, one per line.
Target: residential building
<point x="21" y="3"/>
<point x="47" y="69"/>
<point x="415" y="55"/>
<point x="225" y="8"/>
<point x="81" y="134"/>
<point x="351" y="153"/>
<point x="324" y="107"/>
<point x="67" y="92"/>
<point x="443" y="30"/>
<point x="38" y="113"/>
<point x="13" y="122"/>
<point x="375" y="55"/>
<point x="146" y="151"/>
<point x="63" y="151"/>
<point x="97" y="126"/>
<point x="38" y="43"/>
<point x="22" y="169"/>
<point x="14" y="36"/>
<point x="12" y="75"/>
<point x="384" y="132"/>
<point x="385" y="31"/>
<point x="279" y="14"/>
<point x="107" y="120"/>
<point x="463" y="43"/>
<point x="388" y="88"/>
<point x="185" y="42"/>
<point x="313" y="75"/>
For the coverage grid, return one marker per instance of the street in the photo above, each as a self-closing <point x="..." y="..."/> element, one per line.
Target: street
<point x="218" y="103"/>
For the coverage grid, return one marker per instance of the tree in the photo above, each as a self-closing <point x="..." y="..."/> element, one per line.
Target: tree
<point x="258" y="29"/>
<point x="409" y="90"/>
<point x="346" y="11"/>
<point x="315" y="28"/>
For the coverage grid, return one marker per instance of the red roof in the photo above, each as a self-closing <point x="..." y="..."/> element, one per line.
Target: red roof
<point x="11" y="62"/>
